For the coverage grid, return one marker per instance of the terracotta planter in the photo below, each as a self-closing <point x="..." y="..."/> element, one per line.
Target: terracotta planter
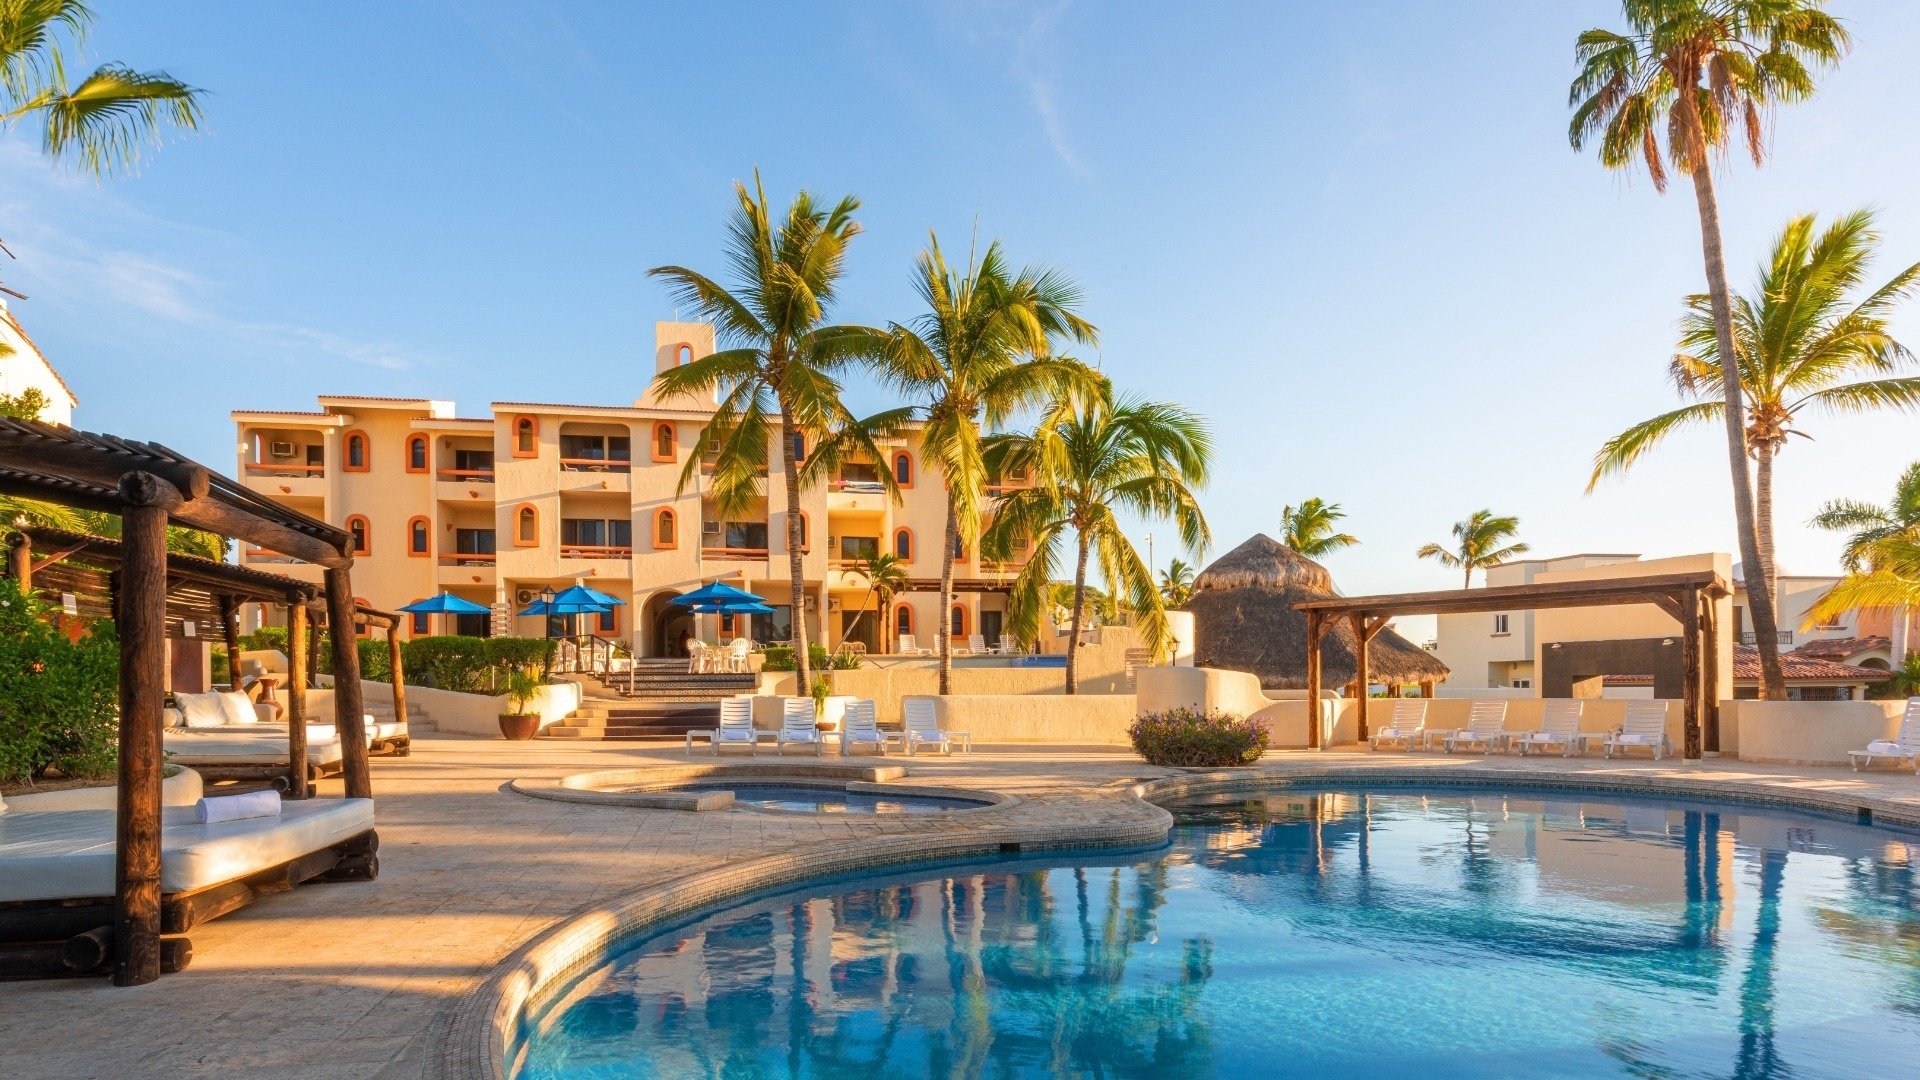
<point x="520" y="727"/>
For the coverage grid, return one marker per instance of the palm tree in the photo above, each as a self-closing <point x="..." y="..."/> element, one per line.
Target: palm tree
<point x="1692" y="71"/>
<point x="775" y="372"/>
<point x="1476" y="544"/>
<point x="983" y="350"/>
<point x="99" y="124"/>
<point x="1882" y="557"/>
<point x="1092" y="458"/>
<point x="1176" y="583"/>
<point x="1309" y="528"/>
<point x="1798" y="337"/>
<point x="886" y="576"/>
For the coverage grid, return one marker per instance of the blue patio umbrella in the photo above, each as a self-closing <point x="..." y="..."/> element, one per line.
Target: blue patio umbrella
<point x="445" y="604"/>
<point x="737" y="608"/>
<point x="574" y="600"/>
<point x="707" y="596"/>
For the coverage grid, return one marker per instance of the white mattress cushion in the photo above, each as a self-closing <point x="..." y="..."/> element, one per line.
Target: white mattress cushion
<point x="257" y="744"/>
<point x="60" y="854"/>
<point x="237" y="709"/>
<point x="201" y="710"/>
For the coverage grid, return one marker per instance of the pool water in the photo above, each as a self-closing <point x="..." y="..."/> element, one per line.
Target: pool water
<point x="824" y="800"/>
<point x="1341" y="933"/>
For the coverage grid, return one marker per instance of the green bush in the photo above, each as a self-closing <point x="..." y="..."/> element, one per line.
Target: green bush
<point x="471" y="665"/>
<point x="267" y="637"/>
<point x="59" y="698"/>
<point x="1190" y="738"/>
<point x="780" y="658"/>
<point x="376" y="661"/>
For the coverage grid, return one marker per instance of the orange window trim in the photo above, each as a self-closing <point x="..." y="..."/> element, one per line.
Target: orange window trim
<point x="897" y="459"/>
<point x="346" y="451"/>
<point x="424" y="534"/>
<point x="520" y="540"/>
<point x="673" y="441"/>
<point x="665" y="516"/>
<point x="420" y="441"/>
<point x="601" y="630"/>
<point x="903" y="619"/>
<point x="897" y="534"/>
<point x="533" y="430"/>
<point x="959" y="615"/>
<point x="365" y="546"/>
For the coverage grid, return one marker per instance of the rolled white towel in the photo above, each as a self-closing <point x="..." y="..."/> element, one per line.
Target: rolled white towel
<point x="253" y="804"/>
<point x="1884" y="746"/>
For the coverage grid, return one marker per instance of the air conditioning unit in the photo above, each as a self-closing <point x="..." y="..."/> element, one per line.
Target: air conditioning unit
<point x="280" y="449"/>
<point x="526" y="596"/>
<point x="709" y="528"/>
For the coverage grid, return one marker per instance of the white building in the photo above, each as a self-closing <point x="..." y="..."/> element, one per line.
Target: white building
<point x="24" y="367"/>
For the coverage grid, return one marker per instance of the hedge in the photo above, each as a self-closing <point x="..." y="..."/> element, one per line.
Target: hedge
<point x="59" y="698"/>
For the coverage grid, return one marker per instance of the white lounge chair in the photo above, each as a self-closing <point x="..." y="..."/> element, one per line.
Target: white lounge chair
<point x="923" y="728"/>
<point x="860" y="727"/>
<point x="1486" y="725"/>
<point x="1008" y="646"/>
<point x="797" y="726"/>
<point x="736" y="726"/>
<point x="910" y="647"/>
<point x="1903" y="749"/>
<point x="1407" y="727"/>
<point x="1559" y="726"/>
<point x="1645" y="724"/>
<point x="977" y="644"/>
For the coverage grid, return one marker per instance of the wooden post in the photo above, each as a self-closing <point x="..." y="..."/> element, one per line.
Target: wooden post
<point x="1690" y="664"/>
<point x="140" y="621"/>
<point x="20" y="561"/>
<point x="349" y="714"/>
<point x="1313" y="680"/>
<point x="1710" y="671"/>
<point x="1426" y="688"/>
<point x="230" y="629"/>
<point x="399" y="674"/>
<point x="298" y="676"/>
<point x="316" y="617"/>
<point x="1361" y="642"/>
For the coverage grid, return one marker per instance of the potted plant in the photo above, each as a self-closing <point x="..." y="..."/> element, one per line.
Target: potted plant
<point x="822" y="690"/>
<point x="517" y="723"/>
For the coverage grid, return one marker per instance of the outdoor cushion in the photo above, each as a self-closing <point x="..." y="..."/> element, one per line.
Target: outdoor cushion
<point x="248" y="746"/>
<point x="201" y="710"/>
<point x="1885" y="746"/>
<point x="62" y="854"/>
<point x="237" y="709"/>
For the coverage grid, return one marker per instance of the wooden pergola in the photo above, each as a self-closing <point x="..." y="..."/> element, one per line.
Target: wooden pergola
<point x="1688" y="598"/>
<point x="149" y="487"/>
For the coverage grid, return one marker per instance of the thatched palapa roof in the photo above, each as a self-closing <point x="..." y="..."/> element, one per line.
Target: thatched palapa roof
<point x="1244" y="620"/>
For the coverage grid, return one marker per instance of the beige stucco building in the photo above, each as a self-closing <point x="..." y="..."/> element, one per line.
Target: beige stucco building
<point x="534" y="496"/>
<point x="24" y="367"/>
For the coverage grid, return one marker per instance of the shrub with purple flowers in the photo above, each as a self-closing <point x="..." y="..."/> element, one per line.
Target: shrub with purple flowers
<point x="1192" y="738"/>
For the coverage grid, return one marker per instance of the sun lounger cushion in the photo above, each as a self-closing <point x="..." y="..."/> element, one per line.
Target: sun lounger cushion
<point x="1641" y="739"/>
<point x="1885" y="746"/>
<point x="201" y="710"/>
<point x="61" y="854"/>
<point x="249" y="746"/>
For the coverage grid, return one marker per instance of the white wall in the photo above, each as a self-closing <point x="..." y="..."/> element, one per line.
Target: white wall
<point x="23" y="368"/>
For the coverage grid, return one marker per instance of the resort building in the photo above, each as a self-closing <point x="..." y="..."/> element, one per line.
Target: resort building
<point x="498" y="508"/>
<point x="24" y="367"/>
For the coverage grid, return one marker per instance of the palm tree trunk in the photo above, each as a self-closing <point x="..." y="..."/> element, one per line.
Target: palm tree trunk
<point x="1753" y="570"/>
<point x="1763" y="518"/>
<point x="796" y="571"/>
<point x="945" y="633"/>
<point x="1469" y="583"/>
<point x="1079" y="606"/>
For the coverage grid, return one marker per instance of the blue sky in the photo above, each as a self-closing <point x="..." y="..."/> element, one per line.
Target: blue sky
<point x="1353" y="236"/>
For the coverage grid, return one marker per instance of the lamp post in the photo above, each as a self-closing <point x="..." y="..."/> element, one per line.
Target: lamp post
<point x="546" y="597"/>
<point x="1150" y="580"/>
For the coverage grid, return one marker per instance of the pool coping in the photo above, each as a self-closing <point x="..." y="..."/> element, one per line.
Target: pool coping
<point x="663" y="787"/>
<point x="486" y="1020"/>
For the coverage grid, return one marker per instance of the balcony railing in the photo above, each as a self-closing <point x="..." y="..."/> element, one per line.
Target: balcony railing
<point x="268" y="468"/>
<point x="572" y="464"/>
<point x="470" y="476"/>
<point x="467" y="558"/>
<point x="738" y="553"/>
<point x="595" y="551"/>
<point x="1748" y="637"/>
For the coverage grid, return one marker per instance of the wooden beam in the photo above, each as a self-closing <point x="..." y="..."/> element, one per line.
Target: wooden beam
<point x="1675" y="605"/>
<point x="1314" y="620"/>
<point x="98" y="467"/>
<point x="57" y="557"/>
<point x="398" y="674"/>
<point x="1361" y="639"/>
<point x="218" y="517"/>
<point x="1690" y="665"/>
<point x="230" y="636"/>
<point x="298" y="676"/>
<point x="349" y="713"/>
<point x="140" y="621"/>
<point x="1559" y="594"/>
<point x="1375" y="625"/>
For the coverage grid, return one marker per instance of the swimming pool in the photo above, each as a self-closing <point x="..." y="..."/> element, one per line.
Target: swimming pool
<point x="1354" y="932"/>
<point x="796" y="798"/>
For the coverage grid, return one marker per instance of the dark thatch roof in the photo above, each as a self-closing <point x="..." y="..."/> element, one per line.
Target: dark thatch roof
<point x="1244" y="620"/>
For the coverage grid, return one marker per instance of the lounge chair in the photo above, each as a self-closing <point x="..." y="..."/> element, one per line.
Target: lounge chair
<point x="977" y="645"/>
<point x="1903" y="749"/>
<point x="859" y="727"/>
<point x="797" y="726"/>
<point x="1645" y="724"/>
<point x="1559" y="726"/>
<point x="1008" y="646"/>
<point x="1407" y="727"/>
<point x="923" y="727"/>
<point x="910" y="647"/>
<point x="1486" y="725"/>
<point x="736" y="726"/>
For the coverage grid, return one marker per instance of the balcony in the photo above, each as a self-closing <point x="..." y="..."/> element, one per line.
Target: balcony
<point x="588" y="476"/>
<point x="287" y="481"/>
<point x="734" y="554"/>
<point x="464" y="486"/>
<point x="595" y="551"/>
<point x="588" y="464"/>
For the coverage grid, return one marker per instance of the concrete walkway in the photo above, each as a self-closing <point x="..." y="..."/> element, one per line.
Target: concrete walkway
<point x="362" y="980"/>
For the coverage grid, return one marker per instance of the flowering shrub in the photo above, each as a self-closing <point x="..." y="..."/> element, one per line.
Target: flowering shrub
<point x="1190" y="738"/>
<point x="59" y="694"/>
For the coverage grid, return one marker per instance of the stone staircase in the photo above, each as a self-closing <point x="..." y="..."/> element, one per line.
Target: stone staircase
<point x="658" y="699"/>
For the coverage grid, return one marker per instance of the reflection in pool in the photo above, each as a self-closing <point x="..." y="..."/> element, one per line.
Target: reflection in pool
<point x="1347" y="933"/>
<point x="833" y="800"/>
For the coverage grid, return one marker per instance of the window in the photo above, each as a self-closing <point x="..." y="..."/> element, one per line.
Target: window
<point x="608" y="622"/>
<point x="805" y="543"/>
<point x="666" y="530"/>
<point x="360" y="628"/>
<point x="747" y="535"/>
<point x="616" y="449"/>
<point x="1520" y="684"/>
<point x="726" y="624"/>
<point x="526" y="436"/>
<point x="416" y="453"/>
<point x="417" y="537"/>
<point x="903" y="470"/>
<point x="798" y="441"/>
<point x="903" y="544"/>
<point x="903" y="620"/>
<point x="473" y="542"/>
<point x="958" y="625"/>
<point x="356" y="444"/>
<point x="959" y="549"/>
<point x="855" y="548"/>
<point x="682" y="354"/>
<point x="469" y="462"/>
<point x="596" y="533"/>
<point x="1500" y="626"/>
<point x="420" y="623"/>
<point x="357" y="529"/>
<point x="663" y="442"/>
<point x="526" y="527"/>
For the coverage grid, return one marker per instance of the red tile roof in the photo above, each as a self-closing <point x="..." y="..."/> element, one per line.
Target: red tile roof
<point x="1841" y="648"/>
<point x="1799" y="666"/>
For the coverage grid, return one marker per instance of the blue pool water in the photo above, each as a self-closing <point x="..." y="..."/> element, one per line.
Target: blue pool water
<point x="1341" y="933"/>
<point x="795" y="797"/>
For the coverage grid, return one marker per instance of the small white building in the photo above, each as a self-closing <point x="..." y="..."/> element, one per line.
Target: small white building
<point x="24" y="367"/>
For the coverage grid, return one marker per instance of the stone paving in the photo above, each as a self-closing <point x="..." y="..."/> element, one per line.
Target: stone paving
<point x="366" y="980"/>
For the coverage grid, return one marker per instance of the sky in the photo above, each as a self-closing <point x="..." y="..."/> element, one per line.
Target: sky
<point x="1353" y="236"/>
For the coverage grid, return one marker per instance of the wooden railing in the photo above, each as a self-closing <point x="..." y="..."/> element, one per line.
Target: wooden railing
<point x="595" y="551"/>
<point x="733" y="553"/>
<point x="477" y="476"/>
<point x="262" y="468"/>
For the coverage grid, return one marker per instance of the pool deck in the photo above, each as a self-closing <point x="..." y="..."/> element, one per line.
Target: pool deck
<point x="378" y="979"/>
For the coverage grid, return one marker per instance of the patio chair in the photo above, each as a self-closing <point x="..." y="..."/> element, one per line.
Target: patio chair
<point x="1407" y="727"/>
<point x="977" y="645"/>
<point x="923" y="726"/>
<point x="1904" y="748"/>
<point x="1559" y="726"/>
<point x="797" y="726"/>
<point x="736" y="726"/>
<point x="910" y="647"/>
<point x="1008" y="646"/>
<point x="696" y="656"/>
<point x="1486" y="725"/>
<point x="737" y="655"/>
<point x="859" y="727"/>
<point x="1644" y="725"/>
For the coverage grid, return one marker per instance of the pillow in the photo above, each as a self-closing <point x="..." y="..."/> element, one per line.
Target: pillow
<point x="201" y="710"/>
<point x="171" y="717"/>
<point x="236" y="707"/>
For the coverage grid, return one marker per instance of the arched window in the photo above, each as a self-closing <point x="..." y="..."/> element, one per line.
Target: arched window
<point x="682" y="354"/>
<point x="903" y="469"/>
<point x="416" y="453"/>
<point x="663" y="442"/>
<point x="666" y="530"/>
<point x="799" y="442"/>
<point x="356" y="450"/>
<point x="958" y="627"/>
<point x="959" y="549"/>
<point x="903" y="544"/>
<point x="362" y="534"/>
<point x="526" y="436"/>
<point x="417" y="537"/>
<point x="903" y="620"/>
<point x="526" y="526"/>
